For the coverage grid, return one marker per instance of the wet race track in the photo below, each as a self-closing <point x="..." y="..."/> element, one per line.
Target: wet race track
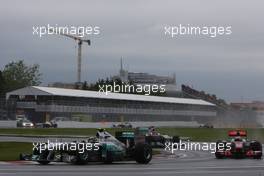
<point x="183" y="163"/>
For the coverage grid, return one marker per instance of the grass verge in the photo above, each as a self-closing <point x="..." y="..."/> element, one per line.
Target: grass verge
<point x="10" y="150"/>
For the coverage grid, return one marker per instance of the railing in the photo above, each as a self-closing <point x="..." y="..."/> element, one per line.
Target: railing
<point x="26" y="105"/>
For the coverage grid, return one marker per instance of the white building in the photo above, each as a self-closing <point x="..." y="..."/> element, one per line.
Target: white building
<point x="139" y="78"/>
<point x="42" y="103"/>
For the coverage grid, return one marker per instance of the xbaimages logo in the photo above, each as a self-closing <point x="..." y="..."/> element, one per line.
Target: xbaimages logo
<point x="80" y="31"/>
<point x="196" y="146"/>
<point x="72" y="146"/>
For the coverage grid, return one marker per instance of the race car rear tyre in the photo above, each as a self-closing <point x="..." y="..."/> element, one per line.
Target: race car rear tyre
<point x="43" y="157"/>
<point x="143" y="153"/>
<point x="257" y="157"/>
<point x="256" y="146"/>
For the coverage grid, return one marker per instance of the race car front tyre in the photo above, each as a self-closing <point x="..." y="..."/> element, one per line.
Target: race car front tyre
<point x="109" y="157"/>
<point x="143" y="153"/>
<point x="43" y="157"/>
<point x="80" y="158"/>
<point x="218" y="155"/>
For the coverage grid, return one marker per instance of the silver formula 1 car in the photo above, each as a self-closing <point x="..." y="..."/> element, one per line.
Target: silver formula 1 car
<point x="101" y="148"/>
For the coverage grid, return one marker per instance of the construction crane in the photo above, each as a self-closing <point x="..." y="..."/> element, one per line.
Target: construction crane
<point x="80" y="41"/>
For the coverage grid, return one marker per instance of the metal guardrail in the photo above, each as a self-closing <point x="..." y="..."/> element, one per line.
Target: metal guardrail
<point x="31" y="105"/>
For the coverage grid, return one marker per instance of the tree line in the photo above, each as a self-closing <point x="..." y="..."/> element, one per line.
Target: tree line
<point x="17" y="74"/>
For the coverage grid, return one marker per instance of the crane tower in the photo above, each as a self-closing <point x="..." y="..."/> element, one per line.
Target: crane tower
<point x="80" y="41"/>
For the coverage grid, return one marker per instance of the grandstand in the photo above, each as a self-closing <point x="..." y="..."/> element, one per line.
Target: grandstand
<point x="45" y="103"/>
<point x="193" y="93"/>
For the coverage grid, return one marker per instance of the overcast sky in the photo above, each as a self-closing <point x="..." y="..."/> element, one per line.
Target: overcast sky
<point x="232" y="67"/>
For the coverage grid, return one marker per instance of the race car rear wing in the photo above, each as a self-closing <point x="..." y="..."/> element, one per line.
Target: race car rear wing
<point x="241" y="133"/>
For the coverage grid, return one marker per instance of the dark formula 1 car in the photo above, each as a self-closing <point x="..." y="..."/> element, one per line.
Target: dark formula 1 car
<point x="238" y="146"/>
<point x="148" y="135"/>
<point x="123" y="125"/>
<point x="102" y="148"/>
<point x="51" y="124"/>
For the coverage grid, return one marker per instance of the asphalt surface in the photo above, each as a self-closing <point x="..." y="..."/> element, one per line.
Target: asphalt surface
<point x="75" y="124"/>
<point x="183" y="163"/>
<point x="187" y="163"/>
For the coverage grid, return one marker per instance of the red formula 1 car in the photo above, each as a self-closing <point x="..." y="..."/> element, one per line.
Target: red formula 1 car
<point x="238" y="146"/>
